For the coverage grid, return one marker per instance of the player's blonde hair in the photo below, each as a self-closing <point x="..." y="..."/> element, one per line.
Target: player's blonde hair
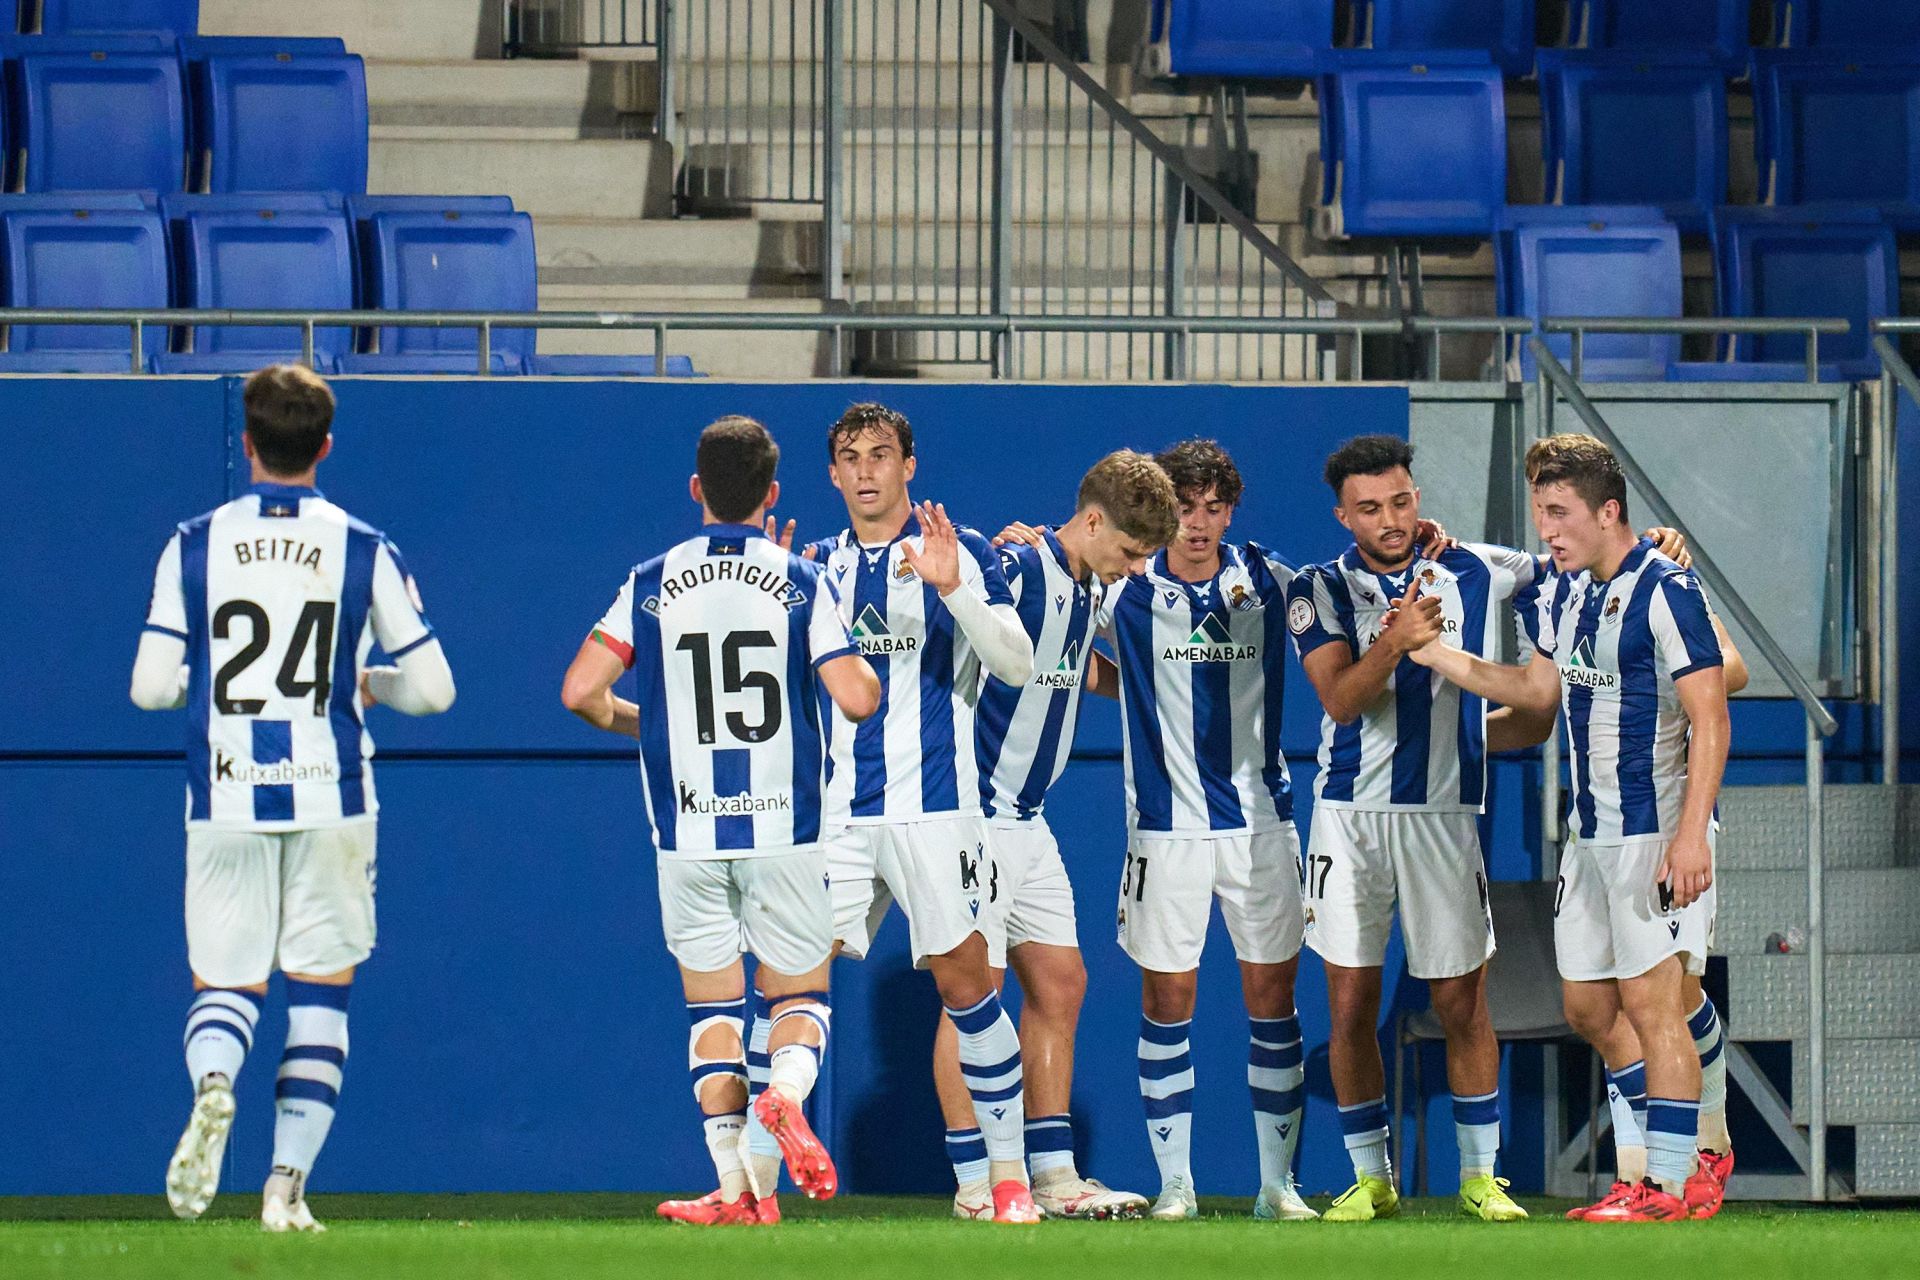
<point x="1581" y="462"/>
<point x="1135" y="493"/>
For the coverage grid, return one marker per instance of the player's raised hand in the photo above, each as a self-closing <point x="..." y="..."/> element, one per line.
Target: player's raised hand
<point x="1687" y="870"/>
<point x="1672" y="544"/>
<point x="1430" y="538"/>
<point x="1018" y="532"/>
<point x="366" y="693"/>
<point x="938" y="560"/>
<point x="1413" y="622"/>
<point x="783" y="537"/>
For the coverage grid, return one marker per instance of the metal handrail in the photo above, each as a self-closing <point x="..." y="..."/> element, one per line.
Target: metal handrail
<point x="1731" y="600"/>
<point x="1895" y="372"/>
<point x="1811" y="327"/>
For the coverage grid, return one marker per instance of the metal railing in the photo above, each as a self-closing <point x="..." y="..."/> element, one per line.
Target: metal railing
<point x="1555" y="379"/>
<point x="1895" y="373"/>
<point x="538" y="28"/>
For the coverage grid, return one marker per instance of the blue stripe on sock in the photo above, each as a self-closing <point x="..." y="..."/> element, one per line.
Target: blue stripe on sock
<point x="240" y="1036"/>
<point x="699" y="1012"/>
<point x="1279" y="1101"/>
<point x="971" y="1022"/>
<point x="965" y="1144"/>
<point x="1704" y="1020"/>
<point x="1484" y="1109"/>
<point x="997" y="1095"/>
<point x="990" y="1071"/>
<point x="1630" y="1080"/>
<point x="1364" y="1117"/>
<point x="307" y="1090"/>
<point x="1178" y="1104"/>
<point x="1052" y="1133"/>
<point x="1672" y="1116"/>
<point x="1280" y="1059"/>
<point x="1165" y="1033"/>
<point x="315" y="1053"/>
<point x="1162" y="1068"/>
<point x="253" y="998"/>
<point x="325" y="994"/>
<point x="1274" y="1030"/>
<point x="1712" y="1055"/>
<point x="706" y="1069"/>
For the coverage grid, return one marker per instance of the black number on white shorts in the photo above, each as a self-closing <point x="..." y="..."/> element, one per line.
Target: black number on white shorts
<point x="1559" y="892"/>
<point x="1317" y="869"/>
<point x="1135" y="881"/>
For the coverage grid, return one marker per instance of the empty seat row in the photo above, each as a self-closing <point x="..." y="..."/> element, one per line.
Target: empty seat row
<point x="109" y="17"/>
<point x="1263" y="39"/>
<point x="1420" y="149"/>
<point x="1625" y="261"/>
<point x="197" y="114"/>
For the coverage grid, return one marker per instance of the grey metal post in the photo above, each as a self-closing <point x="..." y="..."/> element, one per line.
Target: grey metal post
<point x="1000" y="237"/>
<point x="1816" y="967"/>
<point x="1173" y="285"/>
<point x="486" y="348"/>
<point x="665" y="118"/>
<point x="1894" y="366"/>
<point x="306" y="343"/>
<point x="833" y="207"/>
<point x="136" y="365"/>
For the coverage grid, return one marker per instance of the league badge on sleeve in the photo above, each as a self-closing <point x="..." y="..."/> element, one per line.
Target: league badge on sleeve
<point x="1300" y="615"/>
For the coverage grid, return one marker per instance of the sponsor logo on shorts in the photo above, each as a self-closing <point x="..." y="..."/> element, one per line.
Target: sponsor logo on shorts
<point x="736" y="806"/>
<point x="282" y="773"/>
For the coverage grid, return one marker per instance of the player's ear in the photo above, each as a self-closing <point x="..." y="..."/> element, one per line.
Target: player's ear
<point x="1340" y="514"/>
<point x="246" y="444"/>
<point x="326" y="447"/>
<point x="773" y="496"/>
<point x="913" y="464"/>
<point x="693" y="489"/>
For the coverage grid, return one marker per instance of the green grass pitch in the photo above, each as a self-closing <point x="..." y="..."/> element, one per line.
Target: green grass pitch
<point x="536" y="1236"/>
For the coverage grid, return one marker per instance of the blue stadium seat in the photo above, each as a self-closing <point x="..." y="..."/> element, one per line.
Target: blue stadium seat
<point x="1818" y="261"/>
<point x="260" y="252"/>
<point x="1244" y="39"/>
<point x="1623" y="128"/>
<point x="109" y="17"/>
<point x="362" y="208"/>
<point x="432" y="262"/>
<point x="96" y="115"/>
<point x="83" y="256"/>
<point x="1717" y="28"/>
<point x="1598" y="268"/>
<point x="610" y="367"/>
<point x="1749" y="371"/>
<point x="1502" y="29"/>
<point x="1511" y="218"/>
<point x="1858" y="24"/>
<point x="277" y="115"/>
<point x="1412" y="149"/>
<point x="1833" y="130"/>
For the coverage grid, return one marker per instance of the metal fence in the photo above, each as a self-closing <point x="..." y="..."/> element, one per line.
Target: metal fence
<point x="558" y="28"/>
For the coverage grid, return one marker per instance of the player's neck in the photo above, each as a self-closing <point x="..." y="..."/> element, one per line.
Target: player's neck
<point x="1190" y="570"/>
<point x="1072" y="537"/>
<point x="885" y="527"/>
<point x="305" y="480"/>
<point x="1377" y="565"/>
<point x="1617" y="548"/>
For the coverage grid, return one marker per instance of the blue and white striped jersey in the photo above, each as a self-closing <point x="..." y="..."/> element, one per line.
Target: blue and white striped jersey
<point x="1423" y="744"/>
<point x="280" y="596"/>
<point x="1202" y="675"/>
<point x="914" y="758"/>
<point x="1620" y="644"/>
<point x="1025" y="733"/>
<point x="724" y="633"/>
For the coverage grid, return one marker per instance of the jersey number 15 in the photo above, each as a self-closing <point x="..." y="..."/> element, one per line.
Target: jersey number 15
<point x="698" y="646"/>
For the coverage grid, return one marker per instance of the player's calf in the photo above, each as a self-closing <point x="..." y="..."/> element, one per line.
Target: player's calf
<point x="716" y="1061"/>
<point x="219" y="1033"/>
<point x="798" y="1037"/>
<point x="305" y="1096"/>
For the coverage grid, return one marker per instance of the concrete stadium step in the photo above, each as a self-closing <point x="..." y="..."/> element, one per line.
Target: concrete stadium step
<point x="768" y="354"/>
<point x="1869" y="997"/>
<point x="1875" y="911"/>
<point x="1886" y="1160"/>
<point x="1765" y="828"/>
<point x="588" y="178"/>
<point x="737" y="255"/>
<point x="371" y="28"/>
<point x="525" y="98"/>
<point x="1868" y="1082"/>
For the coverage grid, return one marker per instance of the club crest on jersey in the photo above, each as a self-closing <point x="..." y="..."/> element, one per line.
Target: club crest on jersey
<point x="903" y="571"/>
<point x="1242" y="599"/>
<point x="871" y="637"/>
<point x="1613" y="608"/>
<point x="1428" y="578"/>
<point x="1210" y="641"/>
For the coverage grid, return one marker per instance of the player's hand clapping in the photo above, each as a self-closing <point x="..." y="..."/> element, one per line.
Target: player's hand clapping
<point x="938" y="560"/>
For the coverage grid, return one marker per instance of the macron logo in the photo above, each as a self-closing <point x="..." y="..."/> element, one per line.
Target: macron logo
<point x="1164" y="1132"/>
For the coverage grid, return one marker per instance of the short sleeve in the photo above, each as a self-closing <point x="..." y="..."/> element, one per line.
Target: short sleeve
<point x="986" y="577"/>
<point x="1013" y="566"/>
<point x="615" y="630"/>
<point x="1533" y="611"/>
<point x="1312" y="617"/>
<point x="827" y="634"/>
<point x="1279" y="574"/>
<point x="1682" y="625"/>
<point x="1513" y="571"/>
<point x="167" y="610"/>
<point x="399" y="616"/>
<point x="820" y="547"/>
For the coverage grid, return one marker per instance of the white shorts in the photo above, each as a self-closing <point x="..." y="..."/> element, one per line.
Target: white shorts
<point x="1035" y="900"/>
<point x="1607" y="916"/>
<point x="937" y="869"/>
<point x="1359" y="862"/>
<point x="1166" y="897"/>
<point x="297" y="901"/>
<point x="774" y="906"/>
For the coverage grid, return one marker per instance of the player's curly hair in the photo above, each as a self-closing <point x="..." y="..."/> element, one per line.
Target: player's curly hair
<point x="1196" y="466"/>
<point x="736" y="459"/>
<point x="1136" y="495"/>
<point x="869" y="416"/>
<point x="1366" y="456"/>
<point x="1581" y="462"/>
<point x="289" y="411"/>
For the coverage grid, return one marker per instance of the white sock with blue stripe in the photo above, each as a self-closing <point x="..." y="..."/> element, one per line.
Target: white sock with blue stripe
<point x="1166" y="1092"/>
<point x="1710" y="1042"/>
<point x="967" y="1152"/>
<point x="308" y="1089"/>
<point x="1673" y="1125"/>
<point x="1364" y="1128"/>
<point x="219" y="1034"/>
<point x="1050" y="1147"/>
<point x="763" y="1153"/>
<point x="1476" y="1128"/>
<point x="990" y="1062"/>
<point x="1275" y="1074"/>
<point x="1627" y="1100"/>
<point x="719" y="1073"/>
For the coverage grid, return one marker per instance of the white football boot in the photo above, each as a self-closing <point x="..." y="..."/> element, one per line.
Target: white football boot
<point x="1176" y="1202"/>
<point x="283" y="1205"/>
<point x="1073" y="1196"/>
<point x="193" y="1175"/>
<point x="1281" y="1202"/>
<point x="974" y="1202"/>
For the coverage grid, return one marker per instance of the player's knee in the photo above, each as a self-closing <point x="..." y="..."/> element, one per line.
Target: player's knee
<point x="1167" y="997"/>
<point x="1457" y="1003"/>
<point x="716" y="1052"/>
<point x="1592" y="1020"/>
<point x="804" y="1018"/>
<point x="1056" y="987"/>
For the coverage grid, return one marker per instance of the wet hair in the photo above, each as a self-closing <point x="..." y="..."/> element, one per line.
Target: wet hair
<point x="869" y="416"/>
